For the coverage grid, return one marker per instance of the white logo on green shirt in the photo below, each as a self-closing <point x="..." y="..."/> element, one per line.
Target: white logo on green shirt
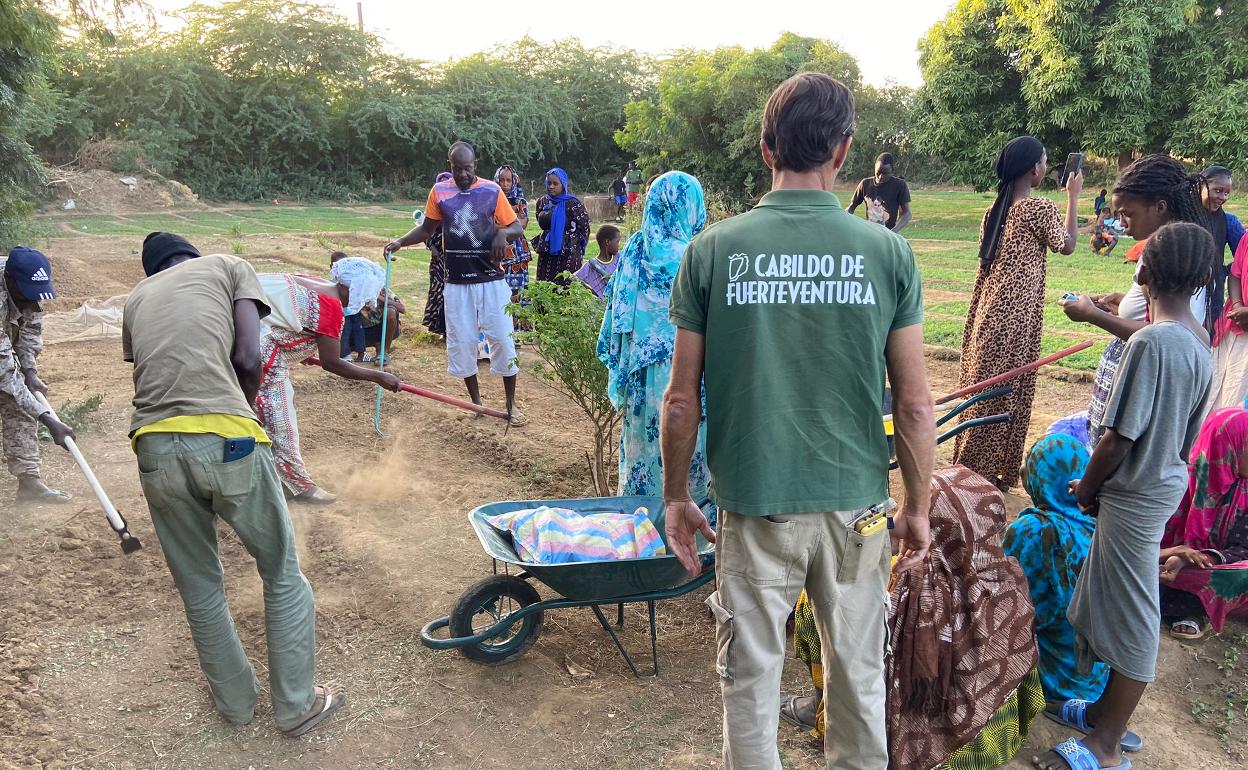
<point x="798" y="279"/>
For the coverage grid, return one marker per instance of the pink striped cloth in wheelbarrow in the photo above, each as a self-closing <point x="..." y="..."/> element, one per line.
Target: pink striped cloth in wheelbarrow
<point x="546" y="535"/>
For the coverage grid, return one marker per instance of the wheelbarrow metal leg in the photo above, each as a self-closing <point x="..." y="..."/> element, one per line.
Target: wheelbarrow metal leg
<point x="602" y="619"/>
<point x="654" y="639"/>
<point x="619" y="615"/>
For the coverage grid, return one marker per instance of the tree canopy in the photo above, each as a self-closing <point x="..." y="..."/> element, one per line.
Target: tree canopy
<point x="1111" y="77"/>
<point x="255" y="98"/>
<point x="27" y="38"/>
<point x="262" y="98"/>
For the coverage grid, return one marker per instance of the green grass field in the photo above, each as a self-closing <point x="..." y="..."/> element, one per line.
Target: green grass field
<point x="944" y="235"/>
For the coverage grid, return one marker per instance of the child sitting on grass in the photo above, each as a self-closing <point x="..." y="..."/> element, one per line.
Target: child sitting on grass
<point x="595" y="272"/>
<point x="1133" y="484"/>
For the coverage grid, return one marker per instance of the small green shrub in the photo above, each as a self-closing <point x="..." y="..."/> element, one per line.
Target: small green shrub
<point x="564" y="327"/>
<point x="75" y="414"/>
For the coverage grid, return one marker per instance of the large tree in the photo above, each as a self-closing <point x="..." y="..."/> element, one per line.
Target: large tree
<point x="1111" y="77"/>
<point x="969" y="104"/>
<point x="706" y="115"/>
<point x="1207" y="75"/>
<point x="599" y="83"/>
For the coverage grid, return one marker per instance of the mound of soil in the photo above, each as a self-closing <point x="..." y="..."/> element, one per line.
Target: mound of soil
<point x="100" y="191"/>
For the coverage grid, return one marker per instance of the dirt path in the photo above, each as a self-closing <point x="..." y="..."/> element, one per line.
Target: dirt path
<point x="97" y="669"/>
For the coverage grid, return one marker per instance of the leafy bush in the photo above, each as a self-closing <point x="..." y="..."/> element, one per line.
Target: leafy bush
<point x="256" y="99"/>
<point x="564" y="331"/>
<point x="75" y="414"/>
<point x="27" y="36"/>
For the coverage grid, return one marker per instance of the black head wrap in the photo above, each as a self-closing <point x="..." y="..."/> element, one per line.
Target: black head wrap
<point x="157" y="247"/>
<point x="1018" y="156"/>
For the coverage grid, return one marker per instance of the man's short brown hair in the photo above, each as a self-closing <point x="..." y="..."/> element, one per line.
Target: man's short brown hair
<point x="806" y="119"/>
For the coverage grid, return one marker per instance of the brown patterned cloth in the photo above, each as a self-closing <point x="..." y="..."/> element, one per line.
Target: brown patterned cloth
<point x="961" y="629"/>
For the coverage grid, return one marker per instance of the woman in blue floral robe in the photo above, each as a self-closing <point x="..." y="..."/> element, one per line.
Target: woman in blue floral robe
<point x="1051" y="541"/>
<point x="637" y="339"/>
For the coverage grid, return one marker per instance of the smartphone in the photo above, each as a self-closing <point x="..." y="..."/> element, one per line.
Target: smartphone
<point x="872" y="522"/>
<point x="1074" y="165"/>
<point x="238" y="448"/>
<point x="874" y="518"/>
<point x="1070" y="296"/>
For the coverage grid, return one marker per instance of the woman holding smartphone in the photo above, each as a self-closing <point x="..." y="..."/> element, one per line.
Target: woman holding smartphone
<point x="1006" y="317"/>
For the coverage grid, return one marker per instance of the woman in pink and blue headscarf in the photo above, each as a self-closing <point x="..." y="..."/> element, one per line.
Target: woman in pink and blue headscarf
<point x="565" y="229"/>
<point x="637" y="339"/>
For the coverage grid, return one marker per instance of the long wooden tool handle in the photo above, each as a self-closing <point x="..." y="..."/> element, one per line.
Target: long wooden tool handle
<point x="1011" y="374"/>
<point x="114" y="518"/>
<point x="471" y="407"/>
<point x="465" y="405"/>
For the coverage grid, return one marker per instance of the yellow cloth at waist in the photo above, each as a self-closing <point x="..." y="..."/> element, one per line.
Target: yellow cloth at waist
<point x="223" y="425"/>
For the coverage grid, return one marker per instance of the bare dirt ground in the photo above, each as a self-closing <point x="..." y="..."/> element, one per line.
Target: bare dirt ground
<point x="97" y="669"/>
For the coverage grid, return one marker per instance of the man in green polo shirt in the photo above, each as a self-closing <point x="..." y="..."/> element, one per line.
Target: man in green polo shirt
<point x="792" y="314"/>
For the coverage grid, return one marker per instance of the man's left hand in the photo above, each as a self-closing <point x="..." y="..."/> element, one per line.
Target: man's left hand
<point x="912" y="538"/>
<point x="684" y="520"/>
<point x="34" y="384"/>
<point x="59" y="430"/>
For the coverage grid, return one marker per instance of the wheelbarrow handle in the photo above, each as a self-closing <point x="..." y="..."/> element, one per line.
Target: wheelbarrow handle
<point x="987" y="395"/>
<point x="948" y="411"/>
<point x="978" y="422"/>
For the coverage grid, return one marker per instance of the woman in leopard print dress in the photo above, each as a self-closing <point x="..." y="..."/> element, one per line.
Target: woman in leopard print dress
<point x="1006" y="318"/>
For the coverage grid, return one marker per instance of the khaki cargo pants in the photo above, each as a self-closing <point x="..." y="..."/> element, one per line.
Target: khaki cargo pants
<point x="187" y="488"/>
<point x="761" y="565"/>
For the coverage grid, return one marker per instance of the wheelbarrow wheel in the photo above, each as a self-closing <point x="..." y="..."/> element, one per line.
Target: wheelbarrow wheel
<point x="487" y="603"/>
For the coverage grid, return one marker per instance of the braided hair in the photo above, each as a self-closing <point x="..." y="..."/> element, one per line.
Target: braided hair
<point x="1160" y="177"/>
<point x="1179" y="257"/>
<point x="1215" y="172"/>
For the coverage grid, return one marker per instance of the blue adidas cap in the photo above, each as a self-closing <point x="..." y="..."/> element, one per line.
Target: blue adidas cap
<point x="31" y="272"/>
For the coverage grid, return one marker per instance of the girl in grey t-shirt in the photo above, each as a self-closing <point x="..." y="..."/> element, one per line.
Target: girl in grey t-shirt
<point x="1134" y="483"/>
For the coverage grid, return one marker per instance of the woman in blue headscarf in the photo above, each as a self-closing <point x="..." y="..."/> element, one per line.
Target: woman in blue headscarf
<point x="1050" y="541"/>
<point x="637" y="339"/>
<point x="565" y="229"/>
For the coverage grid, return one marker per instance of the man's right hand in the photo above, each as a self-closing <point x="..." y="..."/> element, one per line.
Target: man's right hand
<point x="912" y="538"/>
<point x="1074" y="186"/>
<point x="388" y="381"/>
<point x="1080" y="309"/>
<point x="684" y="520"/>
<point x="59" y="430"/>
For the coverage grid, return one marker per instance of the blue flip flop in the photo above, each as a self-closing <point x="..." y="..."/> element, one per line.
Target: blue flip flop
<point x="1074" y="714"/>
<point x="1080" y="757"/>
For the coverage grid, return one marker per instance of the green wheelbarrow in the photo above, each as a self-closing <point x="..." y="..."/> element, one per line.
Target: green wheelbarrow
<point x="499" y="618"/>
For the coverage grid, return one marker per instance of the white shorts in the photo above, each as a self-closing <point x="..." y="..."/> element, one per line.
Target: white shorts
<point x="479" y="306"/>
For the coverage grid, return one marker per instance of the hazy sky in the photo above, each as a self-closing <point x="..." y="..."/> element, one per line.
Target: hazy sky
<point x="881" y="34"/>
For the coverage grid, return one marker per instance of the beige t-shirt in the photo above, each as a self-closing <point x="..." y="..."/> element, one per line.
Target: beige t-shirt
<point x="178" y="330"/>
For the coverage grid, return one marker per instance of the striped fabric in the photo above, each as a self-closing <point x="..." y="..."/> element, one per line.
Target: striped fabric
<point x="547" y="535"/>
